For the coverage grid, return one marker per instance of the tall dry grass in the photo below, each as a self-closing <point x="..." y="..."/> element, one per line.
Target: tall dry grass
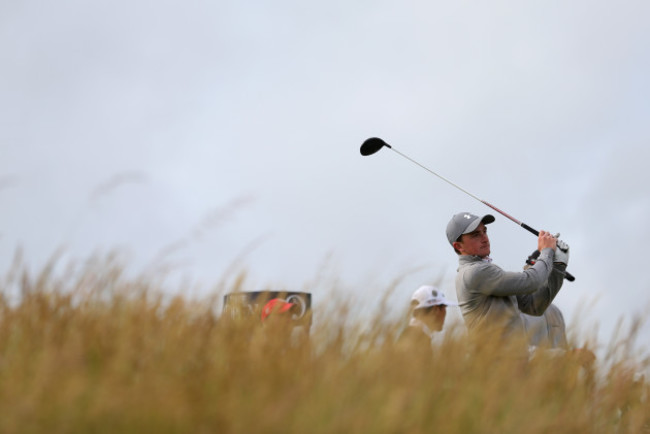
<point x="95" y="351"/>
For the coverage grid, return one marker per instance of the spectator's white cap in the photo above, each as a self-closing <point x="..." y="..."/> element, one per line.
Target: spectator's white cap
<point x="427" y="296"/>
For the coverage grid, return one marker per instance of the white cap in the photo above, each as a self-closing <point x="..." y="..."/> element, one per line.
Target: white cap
<point x="427" y="296"/>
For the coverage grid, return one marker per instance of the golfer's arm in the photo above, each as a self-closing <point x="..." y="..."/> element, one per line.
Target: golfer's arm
<point x="537" y="302"/>
<point x="494" y="281"/>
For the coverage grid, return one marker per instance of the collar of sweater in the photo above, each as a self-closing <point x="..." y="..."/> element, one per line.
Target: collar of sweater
<point x="467" y="259"/>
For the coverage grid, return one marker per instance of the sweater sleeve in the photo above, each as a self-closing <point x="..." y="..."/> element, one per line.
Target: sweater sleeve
<point x="489" y="279"/>
<point x="536" y="302"/>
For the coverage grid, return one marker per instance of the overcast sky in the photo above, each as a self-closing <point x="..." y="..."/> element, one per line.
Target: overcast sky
<point x="204" y="134"/>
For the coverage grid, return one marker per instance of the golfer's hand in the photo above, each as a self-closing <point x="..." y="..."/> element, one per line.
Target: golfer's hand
<point x="561" y="252"/>
<point x="546" y="240"/>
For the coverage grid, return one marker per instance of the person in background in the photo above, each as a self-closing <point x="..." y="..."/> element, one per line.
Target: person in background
<point x="548" y="330"/>
<point x="548" y="333"/>
<point x="428" y="313"/>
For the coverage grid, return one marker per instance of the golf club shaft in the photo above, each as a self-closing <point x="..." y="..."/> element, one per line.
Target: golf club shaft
<point x="533" y="231"/>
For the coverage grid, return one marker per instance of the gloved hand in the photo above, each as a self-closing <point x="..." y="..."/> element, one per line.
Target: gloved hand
<point x="562" y="252"/>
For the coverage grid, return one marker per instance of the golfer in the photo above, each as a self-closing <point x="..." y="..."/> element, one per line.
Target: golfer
<point x="491" y="299"/>
<point x="428" y="313"/>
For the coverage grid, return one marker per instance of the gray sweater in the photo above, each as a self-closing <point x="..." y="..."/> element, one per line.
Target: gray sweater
<point x="492" y="298"/>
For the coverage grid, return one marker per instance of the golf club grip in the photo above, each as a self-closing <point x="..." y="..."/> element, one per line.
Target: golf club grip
<point x="529" y="229"/>
<point x="568" y="276"/>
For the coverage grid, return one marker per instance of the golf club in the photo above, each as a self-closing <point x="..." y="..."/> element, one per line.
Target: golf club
<point x="374" y="144"/>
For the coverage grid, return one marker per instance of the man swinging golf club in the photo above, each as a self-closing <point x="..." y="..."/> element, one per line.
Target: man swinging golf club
<point x="491" y="299"/>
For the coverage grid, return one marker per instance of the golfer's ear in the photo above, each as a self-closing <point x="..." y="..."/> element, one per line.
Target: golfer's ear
<point x="457" y="245"/>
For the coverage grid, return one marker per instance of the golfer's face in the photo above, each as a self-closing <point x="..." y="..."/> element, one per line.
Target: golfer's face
<point x="475" y="243"/>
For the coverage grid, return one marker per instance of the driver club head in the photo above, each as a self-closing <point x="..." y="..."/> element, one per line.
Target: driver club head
<point x="372" y="145"/>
